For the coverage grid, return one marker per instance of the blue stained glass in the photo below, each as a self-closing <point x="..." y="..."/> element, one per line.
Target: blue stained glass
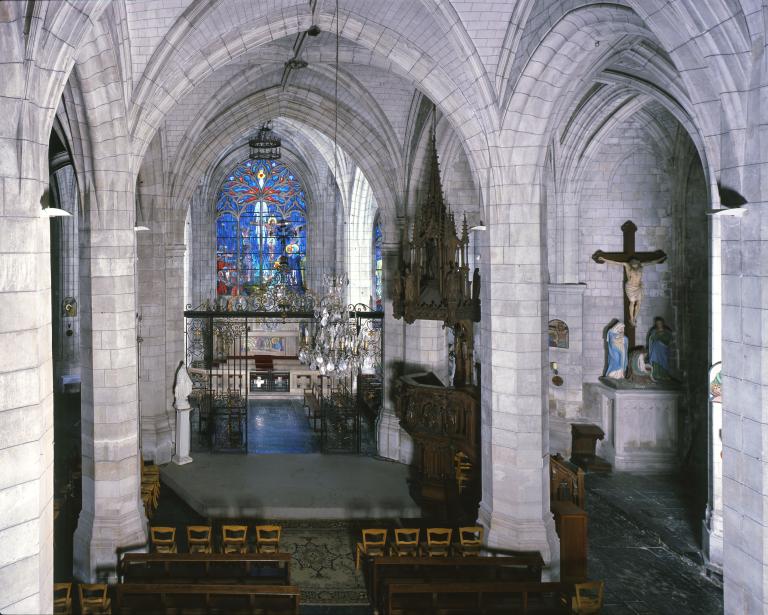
<point x="378" y="267"/>
<point x="261" y="224"/>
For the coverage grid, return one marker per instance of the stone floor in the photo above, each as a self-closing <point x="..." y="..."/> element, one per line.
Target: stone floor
<point x="643" y="542"/>
<point x="280" y="426"/>
<point x="306" y="486"/>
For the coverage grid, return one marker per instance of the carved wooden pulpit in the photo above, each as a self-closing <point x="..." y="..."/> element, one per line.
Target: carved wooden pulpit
<point x="444" y="424"/>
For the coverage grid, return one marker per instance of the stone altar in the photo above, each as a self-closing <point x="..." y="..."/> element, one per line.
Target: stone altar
<point x="640" y="426"/>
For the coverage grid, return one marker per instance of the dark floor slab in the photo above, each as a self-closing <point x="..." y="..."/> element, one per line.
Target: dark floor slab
<point x="643" y="573"/>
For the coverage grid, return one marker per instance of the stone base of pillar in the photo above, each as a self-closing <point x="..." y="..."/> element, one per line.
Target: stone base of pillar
<point x="712" y="539"/>
<point x="157" y="439"/>
<point x="506" y="532"/>
<point x="97" y="540"/>
<point x="392" y="441"/>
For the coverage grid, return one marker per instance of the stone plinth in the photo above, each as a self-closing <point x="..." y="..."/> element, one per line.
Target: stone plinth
<point x="641" y="428"/>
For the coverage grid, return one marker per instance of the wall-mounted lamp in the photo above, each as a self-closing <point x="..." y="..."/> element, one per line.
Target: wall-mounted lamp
<point x="48" y="211"/>
<point x="140" y="228"/>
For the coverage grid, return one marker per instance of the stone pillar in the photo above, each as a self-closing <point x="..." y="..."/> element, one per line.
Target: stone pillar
<point x="157" y="419"/>
<point x="745" y="409"/>
<point x="26" y="396"/>
<point x="174" y="315"/>
<point x="112" y="514"/>
<point x="514" y="428"/>
<point x="393" y="442"/>
<point x="712" y="530"/>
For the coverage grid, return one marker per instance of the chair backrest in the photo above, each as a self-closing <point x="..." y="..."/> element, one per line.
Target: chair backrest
<point x="199" y="534"/>
<point x="268" y="534"/>
<point x="407" y="536"/>
<point x="373" y="537"/>
<point x="62" y="593"/>
<point x="163" y="536"/>
<point x="92" y="594"/>
<point x="234" y="533"/>
<point x="439" y="536"/>
<point x="471" y="536"/>
<point x="589" y="596"/>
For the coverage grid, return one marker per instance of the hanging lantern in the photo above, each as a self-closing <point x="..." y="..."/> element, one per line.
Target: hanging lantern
<point x="265" y="145"/>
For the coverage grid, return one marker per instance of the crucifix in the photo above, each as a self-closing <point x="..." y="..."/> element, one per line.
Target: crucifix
<point x="633" y="263"/>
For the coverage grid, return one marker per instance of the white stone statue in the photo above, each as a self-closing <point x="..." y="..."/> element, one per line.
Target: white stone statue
<point x="181" y="391"/>
<point x="182" y="388"/>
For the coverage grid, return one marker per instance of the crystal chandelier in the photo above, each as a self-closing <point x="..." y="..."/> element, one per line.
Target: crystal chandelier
<point x="343" y="342"/>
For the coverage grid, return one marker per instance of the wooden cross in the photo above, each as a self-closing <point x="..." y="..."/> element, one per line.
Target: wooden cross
<point x="629" y="229"/>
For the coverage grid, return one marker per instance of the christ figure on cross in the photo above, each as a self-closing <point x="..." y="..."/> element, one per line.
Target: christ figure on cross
<point x="632" y="262"/>
<point x="633" y="284"/>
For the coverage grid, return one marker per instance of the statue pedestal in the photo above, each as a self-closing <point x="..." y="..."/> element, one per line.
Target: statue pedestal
<point x="183" y="435"/>
<point x="641" y="427"/>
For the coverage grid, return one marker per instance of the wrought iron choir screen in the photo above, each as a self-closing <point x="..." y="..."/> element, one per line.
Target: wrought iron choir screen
<point x="240" y="350"/>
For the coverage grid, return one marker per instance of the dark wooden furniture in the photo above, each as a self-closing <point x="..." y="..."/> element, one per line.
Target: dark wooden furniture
<point x="571" y="526"/>
<point x="381" y="571"/>
<point x="584" y="437"/>
<point x="566" y="481"/>
<point x="442" y="422"/>
<point x="161" y="598"/>
<point x="216" y="568"/>
<point x="370" y="393"/>
<point x="477" y="597"/>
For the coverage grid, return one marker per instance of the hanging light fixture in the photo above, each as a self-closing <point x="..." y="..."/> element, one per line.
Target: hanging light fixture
<point x="265" y="145"/>
<point x="48" y="210"/>
<point x="344" y="340"/>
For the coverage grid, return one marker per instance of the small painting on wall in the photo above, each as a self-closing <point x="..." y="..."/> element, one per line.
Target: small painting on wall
<point x="558" y="334"/>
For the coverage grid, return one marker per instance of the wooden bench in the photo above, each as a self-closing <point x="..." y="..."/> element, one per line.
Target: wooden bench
<point x="383" y="571"/>
<point x="183" y="599"/>
<point x="216" y="568"/>
<point x="476" y="598"/>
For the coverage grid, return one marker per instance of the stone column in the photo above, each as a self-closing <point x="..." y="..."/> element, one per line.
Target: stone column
<point x="112" y="515"/>
<point x="26" y="396"/>
<point x="745" y="409"/>
<point x="157" y="418"/>
<point x="712" y="530"/>
<point x="515" y="430"/>
<point x="174" y="315"/>
<point x="393" y="442"/>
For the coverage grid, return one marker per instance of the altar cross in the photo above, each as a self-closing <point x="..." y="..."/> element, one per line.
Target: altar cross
<point x="632" y="262"/>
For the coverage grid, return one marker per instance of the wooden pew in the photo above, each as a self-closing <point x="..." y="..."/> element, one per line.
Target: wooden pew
<point x="383" y="571"/>
<point x="475" y="598"/>
<point x="216" y="568"/>
<point x="566" y="501"/>
<point x="181" y="599"/>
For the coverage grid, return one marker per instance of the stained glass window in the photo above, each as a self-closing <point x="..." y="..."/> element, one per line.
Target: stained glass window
<point x="378" y="267"/>
<point x="260" y="228"/>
